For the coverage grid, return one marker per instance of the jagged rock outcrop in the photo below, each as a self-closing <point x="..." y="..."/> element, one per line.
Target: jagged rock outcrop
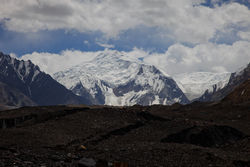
<point x="235" y="80"/>
<point x="39" y="87"/>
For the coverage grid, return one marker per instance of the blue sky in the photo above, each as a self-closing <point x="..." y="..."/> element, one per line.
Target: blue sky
<point x="152" y="26"/>
<point x="54" y="41"/>
<point x="47" y="41"/>
<point x="212" y="4"/>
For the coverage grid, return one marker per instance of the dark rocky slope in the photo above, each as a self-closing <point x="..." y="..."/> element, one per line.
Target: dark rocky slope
<point x="235" y="80"/>
<point x="129" y="136"/>
<point x="206" y="136"/>
<point x="241" y="94"/>
<point x="38" y="86"/>
<point x="13" y="97"/>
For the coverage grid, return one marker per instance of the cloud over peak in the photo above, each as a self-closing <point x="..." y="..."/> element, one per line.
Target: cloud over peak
<point x="182" y="20"/>
<point x="182" y="35"/>
<point x="177" y="59"/>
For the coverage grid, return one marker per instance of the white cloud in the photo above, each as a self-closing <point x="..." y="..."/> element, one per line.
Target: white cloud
<point x="105" y="45"/>
<point x="184" y="21"/>
<point x="86" y="42"/>
<point x="51" y="63"/>
<point x="207" y="57"/>
<point x="177" y="59"/>
<point x="244" y="35"/>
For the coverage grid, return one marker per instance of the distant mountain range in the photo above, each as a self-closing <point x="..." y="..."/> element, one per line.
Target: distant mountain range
<point x="109" y="79"/>
<point x="235" y="80"/>
<point x="112" y="79"/>
<point x="196" y="83"/>
<point x="22" y="83"/>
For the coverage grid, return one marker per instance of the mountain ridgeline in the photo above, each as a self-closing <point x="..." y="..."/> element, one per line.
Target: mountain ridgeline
<point x="109" y="79"/>
<point x="235" y="80"/>
<point x="112" y="79"/>
<point x="194" y="84"/>
<point x="23" y="84"/>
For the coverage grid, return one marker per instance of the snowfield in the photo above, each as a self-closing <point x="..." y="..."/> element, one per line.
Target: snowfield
<point x="195" y="84"/>
<point x="114" y="79"/>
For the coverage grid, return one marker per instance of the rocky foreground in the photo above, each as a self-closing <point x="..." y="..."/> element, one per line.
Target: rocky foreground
<point x="199" y="134"/>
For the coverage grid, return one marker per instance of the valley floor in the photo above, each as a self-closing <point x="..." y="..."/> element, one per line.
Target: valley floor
<point x="199" y="134"/>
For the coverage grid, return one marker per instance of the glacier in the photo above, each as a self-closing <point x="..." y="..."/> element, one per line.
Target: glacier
<point x="196" y="83"/>
<point x="113" y="79"/>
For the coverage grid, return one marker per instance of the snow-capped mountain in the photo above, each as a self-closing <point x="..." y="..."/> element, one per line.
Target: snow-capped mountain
<point x="113" y="79"/>
<point x="196" y="83"/>
<point x="235" y="80"/>
<point x="29" y="82"/>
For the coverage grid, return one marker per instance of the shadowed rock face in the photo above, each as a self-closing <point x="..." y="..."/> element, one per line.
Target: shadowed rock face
<point x="236" y="79"/>
<point x="209" y="136"/>
<point x="39" y="87"/>
<point x="13" y="97"/>
<point x="80" y="90"/>
<point x="169" y="91"/>
<point x="241" y="94"/>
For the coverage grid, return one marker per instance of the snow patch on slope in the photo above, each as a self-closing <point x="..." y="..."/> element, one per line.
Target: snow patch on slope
<point x="240" y="71"/>
<point x="120" y="80"/>
<point x="22" y="68"/>
<point x="195" y="84"/>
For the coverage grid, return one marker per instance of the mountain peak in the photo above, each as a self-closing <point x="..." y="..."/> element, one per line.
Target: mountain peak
<point x="29" y="81"/>
<point x="108" y="55"/>
<point x="25" y="70"/>
<point x="117" y="80"/>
